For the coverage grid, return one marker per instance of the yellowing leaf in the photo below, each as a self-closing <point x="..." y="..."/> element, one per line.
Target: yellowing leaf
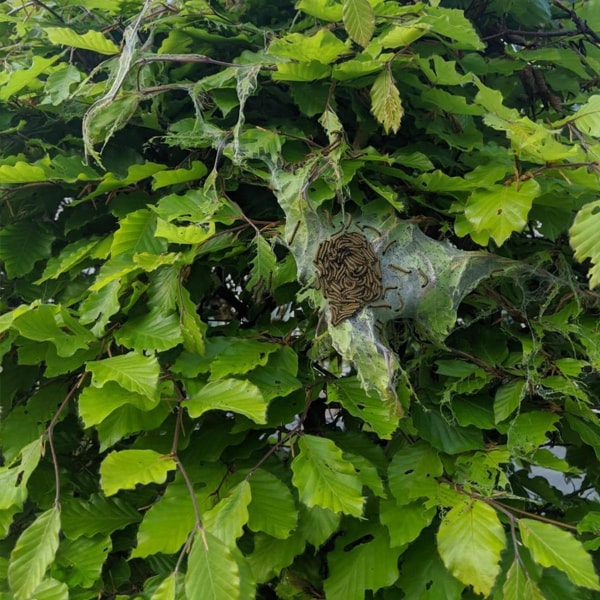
<point x="359" y="20"/>
<point x="385" y="102"/>
<point x="585" y="238"/>
<point x="322" y="47"/>
<point x="33" y="553"/>
<point x="470" y="541"/>
<point x="324" y="478"/>
<point x="553" y="547"/>
<point x="125" y="469"/>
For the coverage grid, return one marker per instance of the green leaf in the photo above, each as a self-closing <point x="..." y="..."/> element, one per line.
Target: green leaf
<point x="189" y="234"/>
<point x="326" y="11"/>
<point x="69" y="256"/>
<point x="124" y="469"/>
<point x="168" y="522"/>
<point x="529" y="431"/>
<point x="470" y="541"/>
<point x="79" y="562"/>
<point x="132" y="371"/>
<point x="585" y="240"/>
<point x="213" y="573"/>
<point x="96" y="403"/>
<point x="317" y="524"/>
<point x="51" y="589"/>
<point x="135" y="173"/>
<point x="501" y="210"/>
<point x="263" y="265"/>
<point x="233" y="395"/>
<point x="240" y="355"/>
<point x="363" y="560"/>
<point x="301" y="71"/>
<point x="127" y="420"/>
<point x="323" y="47"/>
<point x="167" y="588"/>
<point x="385" y="102"/>
<point x="98" y="307"/>
<point x="51" y="323"/>
<point x="153" y="331"/>
<point x="587" y="117"/>
<point x="96" y="515"/>
<point x="273" y="509"/>
<point x="423" y="575"/>
<point x="192" y="327"/>
<point x="33" y="553"/>
<point x="507" y="399"/>
<point x="550" y="546"/>
<point x="165" y="178"/>
<point x="227" y="518"/>
<point x="412" y="473"/>
<point x="452" y="23"/>
<point x="19" y="80"/>
<point x="359" y="20"/>
<point x="90" y="40"/>
<point x="136" y="234"/>
<point x="405" y="522"/>
<point x="382" y="417"/>
<point x="14" y="477"/>
<point x="323" y="478"/>
<point x="270" y="555"/>
<point x="519" y="585"/>
<point x="59" y="83"/>
<point x="33" y="236"/>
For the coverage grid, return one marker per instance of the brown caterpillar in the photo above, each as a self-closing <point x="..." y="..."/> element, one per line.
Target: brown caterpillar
<point x="348" y="273"/>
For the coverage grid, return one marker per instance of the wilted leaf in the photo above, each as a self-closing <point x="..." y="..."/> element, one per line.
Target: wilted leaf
<point x="385" y="101"/>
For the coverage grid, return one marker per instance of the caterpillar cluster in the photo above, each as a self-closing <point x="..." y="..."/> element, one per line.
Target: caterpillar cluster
<point x="348" y="274"/>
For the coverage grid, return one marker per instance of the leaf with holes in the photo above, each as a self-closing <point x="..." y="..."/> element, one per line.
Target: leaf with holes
<point x="324" y="478"/>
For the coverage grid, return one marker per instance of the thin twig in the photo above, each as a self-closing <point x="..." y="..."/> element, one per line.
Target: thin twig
<point x="186" y="478"/>
<point x="50" y="434"/>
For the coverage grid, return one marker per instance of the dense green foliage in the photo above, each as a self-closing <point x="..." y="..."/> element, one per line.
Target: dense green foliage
<point x="191" y="404"/>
